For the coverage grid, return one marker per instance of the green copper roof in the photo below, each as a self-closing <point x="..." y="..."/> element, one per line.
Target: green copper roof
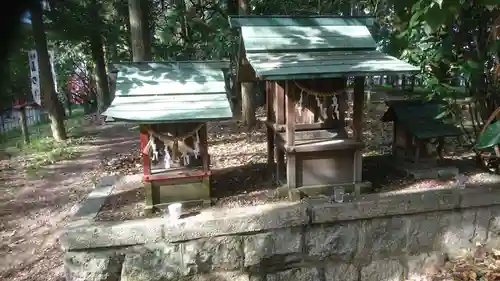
<point x="150" y="92"/>
<point x="304" y="65"/>
<point x="317" y="20"/>
<point x="285" y="48"/>
<point x="424" y="120"/>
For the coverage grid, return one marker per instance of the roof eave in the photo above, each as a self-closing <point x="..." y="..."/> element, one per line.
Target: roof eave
<point x="298" y="76"/>
<point x="236" y="21"/>
<point x="127" y="121"/>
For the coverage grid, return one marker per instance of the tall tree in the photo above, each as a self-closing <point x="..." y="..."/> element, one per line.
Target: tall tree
<point x="97" y="50"/>
<point x="139" y="30"/>
<point x="247" y="88"/>
<point x="48" y="91"/>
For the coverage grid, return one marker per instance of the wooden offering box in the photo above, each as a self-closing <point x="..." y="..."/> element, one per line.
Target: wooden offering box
<point x="306" y="61"/>
<point x="171" y="102"/>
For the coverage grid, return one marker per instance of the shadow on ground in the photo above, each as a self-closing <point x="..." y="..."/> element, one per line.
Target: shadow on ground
<point x="241" y="180"/>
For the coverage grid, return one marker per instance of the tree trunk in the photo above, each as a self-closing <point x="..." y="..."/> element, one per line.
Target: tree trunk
<point x="139" y="30"/>
<point x="248" y="104"/>
<point x="101" y="78"/>
<point x="247" y="88"/>
<point x="24" y="125"/>
<point x="97" y="50"/>
<point x="48" y="90"/>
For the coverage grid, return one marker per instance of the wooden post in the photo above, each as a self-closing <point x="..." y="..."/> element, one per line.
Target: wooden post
<point x="358" y="106"/>
<point x="204" y="148"/>
<point x="279" y="94"/>
<point x="205" y="158"/>
<point x="146" y="163"/>
<point x="290" y="114"/>
<point x="357" y="116"/>
<point x="24" y="124"/>
<point x="279" y="99"/>
<point x="291" y="167"/>
<point x="270" y="130"/>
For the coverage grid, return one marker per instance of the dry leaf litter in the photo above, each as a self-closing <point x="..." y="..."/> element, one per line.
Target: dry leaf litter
<point x="238" y="159"/>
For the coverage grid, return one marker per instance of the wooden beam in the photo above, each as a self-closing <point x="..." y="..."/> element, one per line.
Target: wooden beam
<point x="270" y="130"/>
<point x="246" y="73"/>
<point x="358" y="107"/>
<point x="279" y="94"/>
<point x="205" y="157"/>
<point x="291" y="165"/>
<point x="290" y="113"/>
<point x="357" y="127"/>
<point x="301" y="127"/>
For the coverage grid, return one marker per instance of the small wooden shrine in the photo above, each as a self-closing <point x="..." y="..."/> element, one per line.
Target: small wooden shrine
<point x="419" y="129"/>
<point x="172" y="102"/>
<point x="306" y="62"/>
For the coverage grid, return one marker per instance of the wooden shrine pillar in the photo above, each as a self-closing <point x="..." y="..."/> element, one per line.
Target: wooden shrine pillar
<point x="357" y="127"/>
<point x="205" y="158"/>
<point x="291" y="162"/>
<point x="279" y="107"/>
<point x="270" y="131"/>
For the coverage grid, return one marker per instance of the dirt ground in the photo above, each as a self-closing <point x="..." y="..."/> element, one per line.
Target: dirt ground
<point x="34" y="208"/>
<point x="239" y="158"/>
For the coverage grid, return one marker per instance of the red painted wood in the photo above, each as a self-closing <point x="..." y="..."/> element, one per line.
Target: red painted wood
<point x="194" y="175"/>
<point x="146" y="163"/>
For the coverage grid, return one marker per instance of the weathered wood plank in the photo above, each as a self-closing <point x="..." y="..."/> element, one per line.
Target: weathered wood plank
<point x="290" y="113"/>
<point x="358" y="106"/>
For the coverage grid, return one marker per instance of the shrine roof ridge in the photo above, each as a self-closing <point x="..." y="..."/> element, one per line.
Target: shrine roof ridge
<point x="307" y="47"/>
<point x="171" y="91"/>
<point x="236" y="21"/>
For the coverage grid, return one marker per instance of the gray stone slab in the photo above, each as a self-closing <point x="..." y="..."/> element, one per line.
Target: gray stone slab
<point x="297" y="274"/>
<point x="237" y="220"/>
<point x="83" y="266"/>
<point x="262" y="246"/>
<point x="478" y="197"/>
<point x="219" y="276"/>
<point x="207" y="224"/>
<point x="206" y="255"/>
<point x="382" y="237"/>
<point x="337" y="241"/>
<point x="378" y="205"/>
<point x="383" y="270"/>
<point x="100" y="235"/>
<point x="90" y="207"/>
<point x="157" y="262"/>
<point x="344" y="272"/>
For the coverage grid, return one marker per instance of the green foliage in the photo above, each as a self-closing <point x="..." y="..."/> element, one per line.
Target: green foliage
<point x="490" y="137"/>
<point x="193" y="31"/>
<point x="16" y="84"/>
<point x="449" y="39"/>
<point x="46" y="151"/>
<point x="43" y="149"/>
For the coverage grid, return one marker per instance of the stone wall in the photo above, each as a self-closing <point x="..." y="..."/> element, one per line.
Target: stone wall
<point x="391" y="237"/>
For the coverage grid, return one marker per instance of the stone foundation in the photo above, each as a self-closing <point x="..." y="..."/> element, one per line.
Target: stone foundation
<point x="377" y="238"/>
